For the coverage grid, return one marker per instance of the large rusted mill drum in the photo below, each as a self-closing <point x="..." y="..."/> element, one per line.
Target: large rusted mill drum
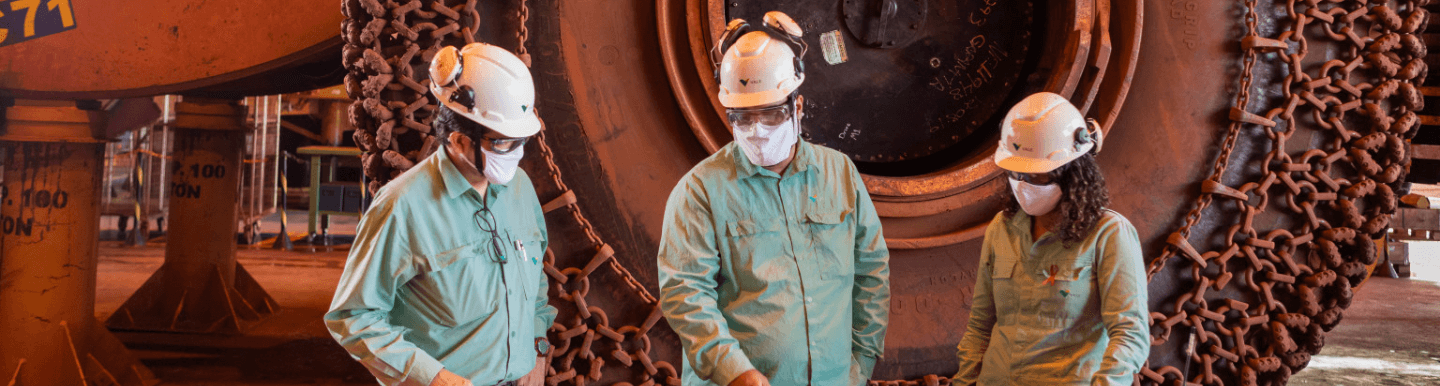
<point x="1257" y="151"/>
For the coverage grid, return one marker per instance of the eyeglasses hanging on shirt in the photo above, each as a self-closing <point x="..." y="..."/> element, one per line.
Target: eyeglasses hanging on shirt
<point x="485" y="220"/>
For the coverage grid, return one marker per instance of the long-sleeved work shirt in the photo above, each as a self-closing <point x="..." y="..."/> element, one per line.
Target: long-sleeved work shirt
<point x="1045" y="314"/>
<point x="787" y="274"/>
<point x="427" y="287"/>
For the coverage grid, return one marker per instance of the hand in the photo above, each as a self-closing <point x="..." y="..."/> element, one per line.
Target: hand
<point x="750" y="378"/>
<point x="447" y="378"/>
<point x="536" y="377"/>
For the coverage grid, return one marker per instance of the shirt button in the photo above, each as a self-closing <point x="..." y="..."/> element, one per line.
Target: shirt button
<point x="809" y="299"/>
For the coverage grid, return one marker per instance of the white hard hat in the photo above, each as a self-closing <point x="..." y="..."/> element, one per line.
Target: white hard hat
<point x="488" y="85"/>
<point x="1043" y="132"/>
<point x="760" y="67"/>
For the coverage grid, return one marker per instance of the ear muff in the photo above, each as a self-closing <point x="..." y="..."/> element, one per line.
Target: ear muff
<point x="781" y="27"/>
<point x="777" y="25"/>
<point x="1088" y="134"/>
<point x="445" y="67"/>
<point x="733" y="32"/>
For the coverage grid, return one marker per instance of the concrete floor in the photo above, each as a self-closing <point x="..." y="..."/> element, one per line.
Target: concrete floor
<point x="1388" y="337"/>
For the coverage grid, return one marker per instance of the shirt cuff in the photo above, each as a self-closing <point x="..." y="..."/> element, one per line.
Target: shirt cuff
<point x="541" y="328"/>
<point x="730" y="367"/>
<point x="867" y="364"/>
<point x="423" y="371"/>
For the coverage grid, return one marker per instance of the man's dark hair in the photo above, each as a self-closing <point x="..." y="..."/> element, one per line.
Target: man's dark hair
<point x="1082" y="201"/>
<point x="447" y="120"/>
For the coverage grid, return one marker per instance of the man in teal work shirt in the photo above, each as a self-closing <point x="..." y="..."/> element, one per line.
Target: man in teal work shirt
<point x="445" y="284"/>
<point x="772" y="266"/>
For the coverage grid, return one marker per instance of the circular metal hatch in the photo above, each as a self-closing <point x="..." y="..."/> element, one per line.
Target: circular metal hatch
<point x="890" y="81"/>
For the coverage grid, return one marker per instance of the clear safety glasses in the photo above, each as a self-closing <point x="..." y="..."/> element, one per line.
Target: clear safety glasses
<point x="506" y="145"/>
<point x="768" y="117"/>
<point x="1032" y="178"/>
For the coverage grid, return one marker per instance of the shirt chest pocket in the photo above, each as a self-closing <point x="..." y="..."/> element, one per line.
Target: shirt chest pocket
<point x="530" y="261"/>
<point x="1002" y="272"/>
<point x="751" y="247"/>
<point x="831" y="239"/>
<point x="1065" y="287"/>
<point x="463" y="285"/>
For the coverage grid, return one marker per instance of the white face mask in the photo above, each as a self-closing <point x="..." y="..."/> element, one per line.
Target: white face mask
<point x="1036" y="200"/>
<point x="500" y="168"/>
<point x="767" y="146"/>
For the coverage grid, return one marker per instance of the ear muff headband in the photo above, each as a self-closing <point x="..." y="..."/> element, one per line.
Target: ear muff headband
<point x="739" y="27"/>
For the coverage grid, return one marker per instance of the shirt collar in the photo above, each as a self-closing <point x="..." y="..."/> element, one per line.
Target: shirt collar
<point x="455" y="183"/>
<point x="1019" y="224"/>
<point x="804" y="158"/>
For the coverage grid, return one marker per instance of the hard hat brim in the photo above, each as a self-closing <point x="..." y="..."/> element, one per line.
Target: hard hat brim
<point x="1020" y="164"/>
<point x="753" y="99"/>
<point x="523" y="127"/>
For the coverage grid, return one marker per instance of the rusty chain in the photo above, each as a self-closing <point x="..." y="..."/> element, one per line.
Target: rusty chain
<point x="1333" y="196"/>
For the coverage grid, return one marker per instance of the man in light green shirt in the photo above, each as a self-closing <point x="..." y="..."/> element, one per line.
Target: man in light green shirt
<point x="445" y="282"/>
<point x="772" y="266"/>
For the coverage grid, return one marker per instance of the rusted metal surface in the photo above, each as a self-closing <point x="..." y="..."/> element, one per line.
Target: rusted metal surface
<point x="48" y="205"/>
<point x="201" y="288"/>
<point x="951" y="77"/>
<point x="152" y="47"/>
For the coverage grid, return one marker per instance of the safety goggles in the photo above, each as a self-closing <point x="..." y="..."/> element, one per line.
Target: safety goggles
<point x="768" y="117"/>
<point x="1032" y="178"/>
<point x="506" y="145"/>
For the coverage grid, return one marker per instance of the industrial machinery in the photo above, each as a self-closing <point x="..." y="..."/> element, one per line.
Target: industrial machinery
<point x="1257" y="145"/>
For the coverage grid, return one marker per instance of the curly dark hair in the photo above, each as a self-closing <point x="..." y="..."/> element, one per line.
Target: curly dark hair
<point x="1083" y="200"/>
<point x="447" y="120"/>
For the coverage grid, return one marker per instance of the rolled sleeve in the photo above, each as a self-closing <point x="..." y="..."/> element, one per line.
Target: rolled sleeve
<point x="1124" y="302"/>
<point x="864" y="368"/>
<point x="972" y="347"/>
<point x="688" y="263"/>
<point x="359" y="313"/>
<point x="871" y="294"/>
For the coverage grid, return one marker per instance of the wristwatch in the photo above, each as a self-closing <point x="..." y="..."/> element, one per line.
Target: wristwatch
<point x="542" y="347"/>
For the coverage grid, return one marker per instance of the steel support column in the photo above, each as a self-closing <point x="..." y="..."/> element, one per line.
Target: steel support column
<point x="49" y="225"/>
<point x="201" y="288"/>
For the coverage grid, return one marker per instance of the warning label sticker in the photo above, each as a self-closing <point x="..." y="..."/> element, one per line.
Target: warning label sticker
<point x="834" y="46"/>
